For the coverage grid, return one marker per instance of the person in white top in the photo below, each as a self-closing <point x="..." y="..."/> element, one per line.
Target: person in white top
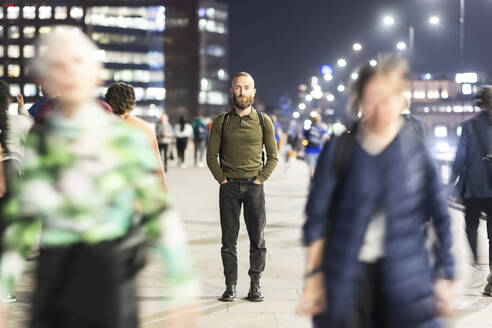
<point x="18" y="127"/>
<point x="183" y="131"/>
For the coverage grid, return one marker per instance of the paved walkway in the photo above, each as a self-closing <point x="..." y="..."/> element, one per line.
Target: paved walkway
<point x="196" y="195"/>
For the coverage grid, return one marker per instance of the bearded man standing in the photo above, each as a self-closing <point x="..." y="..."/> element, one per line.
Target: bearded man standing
<point x="237" y="139"/>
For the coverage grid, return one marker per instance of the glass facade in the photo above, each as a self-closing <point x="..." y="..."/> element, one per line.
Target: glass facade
<point x="132" y="49"/>
<point x="130" y="38"/>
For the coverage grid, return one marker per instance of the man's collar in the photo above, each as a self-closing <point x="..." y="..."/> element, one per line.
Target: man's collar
<point x="251" y="114"/>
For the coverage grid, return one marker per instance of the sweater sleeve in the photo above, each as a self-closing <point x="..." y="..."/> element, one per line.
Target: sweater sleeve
<point x="271" y="150"/>
<point x="441" y="220"/>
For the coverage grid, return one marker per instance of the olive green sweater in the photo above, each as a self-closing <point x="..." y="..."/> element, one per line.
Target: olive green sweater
<point x="242" y="145"/>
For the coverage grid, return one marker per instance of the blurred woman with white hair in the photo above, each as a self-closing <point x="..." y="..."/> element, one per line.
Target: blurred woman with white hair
<point x="85" y="174"/>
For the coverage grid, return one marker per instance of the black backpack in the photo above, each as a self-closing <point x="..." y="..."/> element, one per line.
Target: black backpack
<point x="314" y="137"/>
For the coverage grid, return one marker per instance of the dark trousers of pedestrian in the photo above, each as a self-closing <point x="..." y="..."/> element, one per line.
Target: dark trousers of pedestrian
<point x="365" y="309"/>
<point x="473" y="209"/>
<point x="181" y="144"/>
<point x="81" y="286"/>
<point x="233" y="195"/>
<point x="163" y="148"/>
<point x="200" y="146"/>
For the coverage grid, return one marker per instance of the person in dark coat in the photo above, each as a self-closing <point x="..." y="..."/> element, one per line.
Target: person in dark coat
<point x="367" y="265"/>
<point x="472" y="172"/>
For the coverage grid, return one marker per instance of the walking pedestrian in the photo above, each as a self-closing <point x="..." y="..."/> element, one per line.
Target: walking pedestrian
<point x="165" y="135"/>
<point x="237" y="140"/>
<point x="121" y="97"/>
<point x="183" y="132"/>
<point x="374" y="187"/>
<point x="472" y="170"/>
<point x="90" y="185"/>
<point x="200" y="134"/>
<point x="314" y="138"/>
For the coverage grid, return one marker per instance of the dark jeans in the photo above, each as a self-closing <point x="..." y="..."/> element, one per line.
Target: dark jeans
<point x="81" y="286"/>
<point x="365" y="307"/>
<point x="163" y="148"/>
<point x="181" y="144"/>
<point x="200" y="146"/>
<point x="473" y="208"/>
<point x="232" y="195"/>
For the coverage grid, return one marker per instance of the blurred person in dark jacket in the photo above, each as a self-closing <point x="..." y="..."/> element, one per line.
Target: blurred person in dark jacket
<point x="472" y="173"/>
<point x="374" y="187"/>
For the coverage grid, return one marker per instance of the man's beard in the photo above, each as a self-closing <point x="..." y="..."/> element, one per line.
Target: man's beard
<point x="243" y="103"/>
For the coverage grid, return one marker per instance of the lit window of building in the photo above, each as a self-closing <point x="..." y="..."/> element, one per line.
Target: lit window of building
<point x="1" y="70"/>
<point x="61" y="13"/>
<point x="222" y="75"/>
<point x="14" y="90"/>
<point x="1" y="53"/>
<point x="76" y="13"/>
<point x="440" y="131"/>
<point x="156" y="94"/>
<point x="467" y="89"/>
<point x="29" y="51"/>
<point x="14" y="32"/>
<point x="29" y="32"/>
<point x="13" y="51"/>
<point x="1" y="30"/>
<point x="44" y="29"/>
<point x="13" y="12"/>
<point x="13" y="70"/>
<point x="44" y="12"/>
<point x="29" y="12"/>
<point x="217" y="98"/>
<point x="30" y="90"/>
<point x="216" y="51"/>
<point x="204" y="85"/>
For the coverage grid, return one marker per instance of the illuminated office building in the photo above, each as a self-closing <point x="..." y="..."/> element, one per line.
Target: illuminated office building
<point x="196" y="43"/>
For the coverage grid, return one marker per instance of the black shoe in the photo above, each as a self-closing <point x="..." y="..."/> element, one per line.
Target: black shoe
<point x="229" y="294"/>
<point x="255" y="294"/>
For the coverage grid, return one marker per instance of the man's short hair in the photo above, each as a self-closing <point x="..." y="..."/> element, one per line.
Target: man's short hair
<point x="121" y="97"/>
<point x="246" y="74"/>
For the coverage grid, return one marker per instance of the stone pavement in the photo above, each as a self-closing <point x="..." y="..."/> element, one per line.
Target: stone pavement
<point x="196" y="195"/>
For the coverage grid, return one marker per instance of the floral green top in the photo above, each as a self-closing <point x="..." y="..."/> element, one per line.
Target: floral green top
<point x="84" y="177"/>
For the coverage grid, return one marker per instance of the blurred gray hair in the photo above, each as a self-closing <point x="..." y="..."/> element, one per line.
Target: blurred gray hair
<point x="386" y="64"/>
<point x="69" y="37"/>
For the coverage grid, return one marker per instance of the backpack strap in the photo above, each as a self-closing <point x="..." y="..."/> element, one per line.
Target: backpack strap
<point x="262" y="123"/>
<point x="341" y="162"/>
<point x="221" y="147"/>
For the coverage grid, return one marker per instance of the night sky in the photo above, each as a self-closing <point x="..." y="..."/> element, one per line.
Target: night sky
<point x="283" y="42"/>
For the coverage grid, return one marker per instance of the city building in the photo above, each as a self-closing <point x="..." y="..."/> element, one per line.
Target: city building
<point x="196" y="45"/>
<point x="442" y="102"/>
<point x="142" y="42"/>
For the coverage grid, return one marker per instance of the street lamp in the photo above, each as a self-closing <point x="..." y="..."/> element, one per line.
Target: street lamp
<point x="434" y="20"/>
<point x="354" y="76"/>
<point x="373" y="62"/>
<point x="401" y="46"/>
<point x="357" y="47"/>
<point x="342" y="62"/>
<point x="341" y="88"/>
<point x="388" y="20"/>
